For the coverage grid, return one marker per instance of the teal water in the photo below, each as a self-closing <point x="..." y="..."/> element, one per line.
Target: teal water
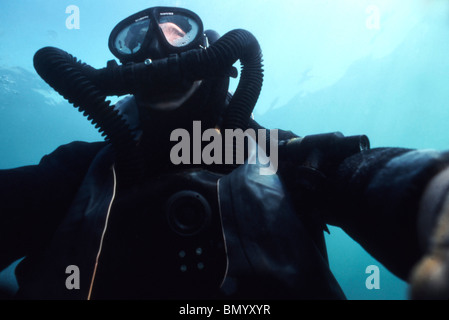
<point x="374" y="67"/>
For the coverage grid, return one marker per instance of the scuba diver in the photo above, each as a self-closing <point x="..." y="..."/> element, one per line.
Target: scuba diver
<point x="136" y="225"/>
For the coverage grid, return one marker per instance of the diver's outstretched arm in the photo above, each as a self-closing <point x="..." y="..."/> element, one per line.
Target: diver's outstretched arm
<point x="389" y="200"/>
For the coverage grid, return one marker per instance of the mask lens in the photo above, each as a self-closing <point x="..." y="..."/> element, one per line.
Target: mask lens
<point x="179" y="30"/>
<point x="130" y="39"/>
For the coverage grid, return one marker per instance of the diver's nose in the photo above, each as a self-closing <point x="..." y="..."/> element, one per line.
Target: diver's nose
<point x="154" y="49"/>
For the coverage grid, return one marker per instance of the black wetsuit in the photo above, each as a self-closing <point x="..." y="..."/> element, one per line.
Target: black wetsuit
<point x="49" y="214"/>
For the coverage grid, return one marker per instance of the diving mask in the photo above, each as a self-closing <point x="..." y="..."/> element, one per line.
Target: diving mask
<point x="156" y="33"/>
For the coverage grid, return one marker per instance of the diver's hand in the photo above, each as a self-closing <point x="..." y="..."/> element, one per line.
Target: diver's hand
<point x="430" y="277"/>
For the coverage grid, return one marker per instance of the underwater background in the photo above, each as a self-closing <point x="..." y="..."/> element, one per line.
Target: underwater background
<point x="373" y="67"/>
